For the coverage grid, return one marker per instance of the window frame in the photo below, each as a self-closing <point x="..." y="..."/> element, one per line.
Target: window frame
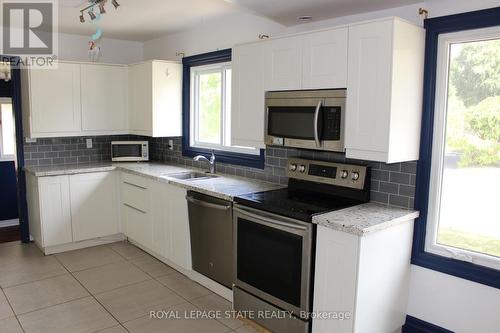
<point x="236" y="156"/>
<point x="436" y="27"/>
<point x="438" y="146"/>
<point x="11" y="157"/>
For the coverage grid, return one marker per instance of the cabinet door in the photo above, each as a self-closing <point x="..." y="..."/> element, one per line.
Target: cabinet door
<point x="93" y="205"/>
<point x="104" y="98"/>
<point x="369" y="82"/>
<point x="336" y="264"/>
<point x="283" y="63"/>
<point x="138" y="225"/>
<point x="325" y="60"/>
<point x="55" y="210"/>
<point x="248" y="94"/>
<point x="178" y="227"/>
<point x="55" y="99"/>
<point x="140" y="94"/>
<point x="167" y="97"/>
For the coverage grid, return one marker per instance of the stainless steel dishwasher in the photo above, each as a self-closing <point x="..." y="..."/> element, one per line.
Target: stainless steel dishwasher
<point x="211" y="229"/>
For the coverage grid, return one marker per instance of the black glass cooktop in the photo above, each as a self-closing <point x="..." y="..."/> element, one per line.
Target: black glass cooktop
<point x="295" y="203"/>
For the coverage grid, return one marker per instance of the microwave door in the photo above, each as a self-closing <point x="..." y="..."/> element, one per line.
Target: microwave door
<point x="300" y="123"/>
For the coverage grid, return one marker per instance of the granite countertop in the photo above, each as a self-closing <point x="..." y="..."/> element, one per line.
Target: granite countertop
<point x="223" y="186"/>
<point x="365" y="218"/>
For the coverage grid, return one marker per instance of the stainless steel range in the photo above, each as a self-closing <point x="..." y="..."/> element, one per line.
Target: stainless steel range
<point x="274" y="240"/>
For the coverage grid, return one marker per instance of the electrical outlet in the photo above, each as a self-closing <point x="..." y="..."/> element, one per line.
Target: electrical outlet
<point x="170" y="144"/>
<point x="89" y="143"/>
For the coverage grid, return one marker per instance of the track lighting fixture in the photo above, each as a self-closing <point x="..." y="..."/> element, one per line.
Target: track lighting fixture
<point x="93" y="4"/>
<point x="92" y="14"/>
<point x="101" y="8"/>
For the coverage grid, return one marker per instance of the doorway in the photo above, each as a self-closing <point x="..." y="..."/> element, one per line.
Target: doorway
<point x="13" y="208"/>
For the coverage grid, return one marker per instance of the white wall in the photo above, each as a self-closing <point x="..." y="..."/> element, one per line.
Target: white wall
<point x="210" y="36"/>
<point x="447" y="301"/>
<point x="241" y="28"/>
<point x="74" y="48"/>
<point x="456" y="304"/>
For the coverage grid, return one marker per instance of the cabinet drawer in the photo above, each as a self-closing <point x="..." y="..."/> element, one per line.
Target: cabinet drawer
<point x="135" y="192"/>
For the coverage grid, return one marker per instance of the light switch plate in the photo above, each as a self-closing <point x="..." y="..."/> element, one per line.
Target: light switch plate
<point x="89" y="143"/>
<point x="30" y="140"/>
<point x="170" y="144"/>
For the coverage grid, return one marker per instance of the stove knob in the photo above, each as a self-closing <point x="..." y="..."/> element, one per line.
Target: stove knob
<point x="344" y="174"/>
<point x="355" y="175"/>
<point x="302" y="168"/>
<point x="293" y="167"/>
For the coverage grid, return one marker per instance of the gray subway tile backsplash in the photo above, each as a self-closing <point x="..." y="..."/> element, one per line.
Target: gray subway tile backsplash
<point x="392" y="184"/>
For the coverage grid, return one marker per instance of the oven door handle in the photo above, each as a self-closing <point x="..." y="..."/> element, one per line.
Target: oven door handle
<point x="316" y="118"/>
<point x="273" y="220"/>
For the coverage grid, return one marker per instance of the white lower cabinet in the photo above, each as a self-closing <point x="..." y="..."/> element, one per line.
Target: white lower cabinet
<point x="155" y="217"/>
<point x="136" y="209"/>
<point x="64" y="210"/>
<point x="364" y="277"/>
<point x="93" y="205"/>
<point x="55" y="211"/>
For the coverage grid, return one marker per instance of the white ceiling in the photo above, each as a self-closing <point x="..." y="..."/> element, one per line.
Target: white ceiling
<point x="143" y="20"/>
<point x="286" y="12"/>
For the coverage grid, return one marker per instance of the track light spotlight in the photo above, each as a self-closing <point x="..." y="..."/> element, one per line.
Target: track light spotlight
<point x="115" y="3"/>
<point x="101" y="8"/>
<point x="92" y="15"/>
<point x="82" y="18"/>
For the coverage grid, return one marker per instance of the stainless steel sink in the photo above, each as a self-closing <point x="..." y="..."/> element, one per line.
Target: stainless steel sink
<point x="191" y="175"/>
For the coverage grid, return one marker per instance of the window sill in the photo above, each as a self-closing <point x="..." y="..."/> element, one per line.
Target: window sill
<point x="230" y="157"/>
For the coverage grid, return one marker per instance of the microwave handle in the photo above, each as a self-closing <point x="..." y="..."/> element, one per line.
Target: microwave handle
<point x="316" y="118"/>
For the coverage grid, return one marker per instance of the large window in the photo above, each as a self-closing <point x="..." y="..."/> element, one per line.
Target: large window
<point x="7" y="136"/>
<point x="458" y="174"/>
<point x="211" y="106"/>
<point x="207" y="111"/>
<point x="464" y="214"/>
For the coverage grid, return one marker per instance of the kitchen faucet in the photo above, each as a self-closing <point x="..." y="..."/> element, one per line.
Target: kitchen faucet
<point x="211" y="161"/>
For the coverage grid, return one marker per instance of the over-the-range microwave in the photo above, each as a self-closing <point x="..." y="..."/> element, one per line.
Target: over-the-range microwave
<point x="129" y="151"/>
<point x="310" y="119"/>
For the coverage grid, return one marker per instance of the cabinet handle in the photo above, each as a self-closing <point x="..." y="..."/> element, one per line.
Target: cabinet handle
<point x="135" y="185"/>
<point x="207" y="204"/>
<point x="137" y="209"/>
<point x="316" y="118"/>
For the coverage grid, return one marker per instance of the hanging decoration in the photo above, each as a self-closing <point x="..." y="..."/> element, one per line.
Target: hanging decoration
<point x="95" y="9"/>
<point x="5" y="71"/>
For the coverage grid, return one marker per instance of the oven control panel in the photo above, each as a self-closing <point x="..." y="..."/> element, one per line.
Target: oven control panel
<point x="339" y="174"/>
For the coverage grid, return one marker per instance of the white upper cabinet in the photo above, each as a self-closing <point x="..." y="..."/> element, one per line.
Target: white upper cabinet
<point x="248" y="92"/>
<point x="384" y="91"/>
<point x="51" y="101"/>
<point x="324" y="64"/>
<point x="155" y="90"/>
<point x="283" y="63"/>
<point x="77" y="99"/>
<point x="104" y="98"/>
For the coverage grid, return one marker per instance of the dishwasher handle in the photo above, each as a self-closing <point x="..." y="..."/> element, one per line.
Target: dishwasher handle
<point x="205" y="204"/>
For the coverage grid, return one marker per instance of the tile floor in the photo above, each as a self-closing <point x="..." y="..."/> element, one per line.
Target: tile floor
<point x="108" y="288"/>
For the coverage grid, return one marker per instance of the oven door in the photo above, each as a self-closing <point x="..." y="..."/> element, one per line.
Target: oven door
<point x="273" y="258"/>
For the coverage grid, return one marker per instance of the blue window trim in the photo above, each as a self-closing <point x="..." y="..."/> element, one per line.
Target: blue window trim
<point x="253" y="161"/>
<point x="434" y="27"/>
<point x="415" y="325"/>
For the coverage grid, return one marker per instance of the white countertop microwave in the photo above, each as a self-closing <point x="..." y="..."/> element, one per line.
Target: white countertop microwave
<point x="129" y="151"/>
